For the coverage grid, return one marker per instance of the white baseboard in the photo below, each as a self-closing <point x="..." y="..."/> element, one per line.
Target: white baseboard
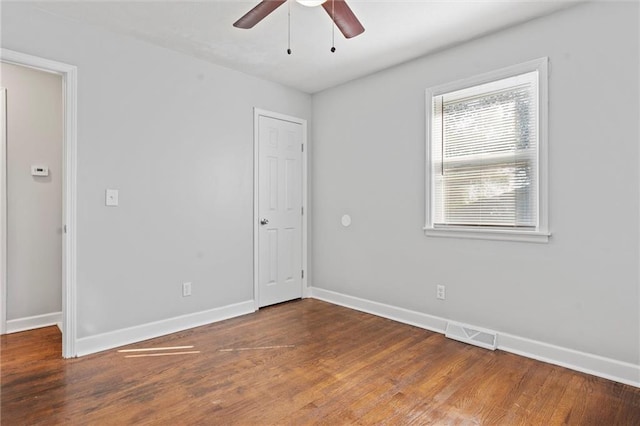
<point x="428" y="322"/>
<point x="30" y="323"/>
<point x="596" y="365"/>
<point x="114" y="339"/>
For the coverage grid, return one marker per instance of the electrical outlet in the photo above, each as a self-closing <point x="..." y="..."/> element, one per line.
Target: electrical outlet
<point x="111" y="197"/>
<point x="186" y="289"/>
<point x="440" y="292"/>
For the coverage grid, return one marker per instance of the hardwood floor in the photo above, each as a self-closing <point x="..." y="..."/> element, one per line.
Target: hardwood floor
<point x="303" y="362"/>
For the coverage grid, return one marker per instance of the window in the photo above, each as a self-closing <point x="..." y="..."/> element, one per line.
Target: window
<point x="486" y="156"/>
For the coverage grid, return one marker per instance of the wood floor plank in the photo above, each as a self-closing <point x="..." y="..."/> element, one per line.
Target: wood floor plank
<point x="304" y="362"/>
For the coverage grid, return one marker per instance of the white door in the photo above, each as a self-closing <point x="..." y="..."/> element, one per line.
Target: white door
<point x="279" y="210"/>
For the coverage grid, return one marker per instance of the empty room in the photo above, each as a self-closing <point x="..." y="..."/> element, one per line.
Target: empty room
<point x="320" y="212"/>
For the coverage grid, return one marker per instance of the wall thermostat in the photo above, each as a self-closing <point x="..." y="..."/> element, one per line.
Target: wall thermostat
<point x="39" y="171"/>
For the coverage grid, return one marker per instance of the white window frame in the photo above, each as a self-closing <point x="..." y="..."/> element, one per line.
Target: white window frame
<point x="541" y="233"/>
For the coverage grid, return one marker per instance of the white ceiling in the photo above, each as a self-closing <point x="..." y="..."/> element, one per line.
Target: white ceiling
<point x="396" y="31"/>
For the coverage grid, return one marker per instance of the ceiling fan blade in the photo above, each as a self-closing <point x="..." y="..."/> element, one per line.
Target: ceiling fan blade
<point x="344" y="17"/>
<point x="258" y="13"/>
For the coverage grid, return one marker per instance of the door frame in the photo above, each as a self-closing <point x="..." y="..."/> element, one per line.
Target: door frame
<point x="69" y="75"/>
<point x="257" y="113"/>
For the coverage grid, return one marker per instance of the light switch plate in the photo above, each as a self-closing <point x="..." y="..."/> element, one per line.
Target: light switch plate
<point x="39" y="171"/>
<point x="111" y="197"/>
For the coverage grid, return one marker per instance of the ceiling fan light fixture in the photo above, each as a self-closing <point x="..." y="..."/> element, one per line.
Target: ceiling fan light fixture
<point x="340" y="13"/>
<point x="311" y="3"/>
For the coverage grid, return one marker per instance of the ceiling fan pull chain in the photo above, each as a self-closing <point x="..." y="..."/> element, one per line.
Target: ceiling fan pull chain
<point x="289" y="28"/>
<point x="333" y="27"/>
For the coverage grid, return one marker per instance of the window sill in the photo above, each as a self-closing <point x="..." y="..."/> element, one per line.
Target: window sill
<point x="489" y="234"/>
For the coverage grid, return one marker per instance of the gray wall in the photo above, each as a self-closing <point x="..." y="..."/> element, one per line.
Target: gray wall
<point x="580" y="290"/>
<point x="34" y="204"/>
<point x="175" y="135"/>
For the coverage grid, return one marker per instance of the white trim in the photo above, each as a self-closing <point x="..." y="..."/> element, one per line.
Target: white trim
<point x="491" y="76"/>
<point x="31" y="323"/>
<point x="69" y="190"/>
<point x="542" y="233"/>
<point x="406" y="316"/>
<point x="257" y="113"/>
<point x="596" y="365"/>
<point x="3" y="211"/>
<point x="125" y="336"/>
<point x="488" y="234"/>
<point x="305" y="207"/>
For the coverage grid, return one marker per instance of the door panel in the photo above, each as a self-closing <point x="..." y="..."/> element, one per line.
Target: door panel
<point x="279" y="210"/>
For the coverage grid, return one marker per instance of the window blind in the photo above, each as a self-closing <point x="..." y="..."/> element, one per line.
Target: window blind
<point x="485" y="154"/>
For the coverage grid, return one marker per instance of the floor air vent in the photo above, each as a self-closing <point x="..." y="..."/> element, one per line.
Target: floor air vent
<point x="487" y="339"/>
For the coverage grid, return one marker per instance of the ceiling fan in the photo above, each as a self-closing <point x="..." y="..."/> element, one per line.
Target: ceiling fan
<point x="338" y="10"/>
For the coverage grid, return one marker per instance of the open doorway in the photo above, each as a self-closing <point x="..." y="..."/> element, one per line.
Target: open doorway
<point x="34" y="132"/>
<point x="39" y="173"/>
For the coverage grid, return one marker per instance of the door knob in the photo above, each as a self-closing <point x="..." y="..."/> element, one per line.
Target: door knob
<point x="264" y="221"/>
